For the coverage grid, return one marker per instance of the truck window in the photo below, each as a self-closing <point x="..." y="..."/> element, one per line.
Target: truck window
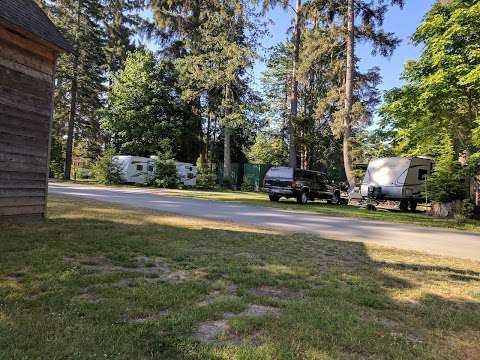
<point x="422" y="174"/>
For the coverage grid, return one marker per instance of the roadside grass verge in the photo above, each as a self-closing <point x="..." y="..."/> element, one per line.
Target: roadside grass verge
<point x="103" y="281"/>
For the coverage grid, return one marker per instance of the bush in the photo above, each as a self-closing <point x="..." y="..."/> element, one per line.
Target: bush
<point x="166" y="174"/>
<point x="246" y="186"/>
<point x="56" y="168"/>
<point x="206" y="178"/>
<point x="447" y="183"/>
<point x="105" y="171"/>
<point x="467" y="209"/>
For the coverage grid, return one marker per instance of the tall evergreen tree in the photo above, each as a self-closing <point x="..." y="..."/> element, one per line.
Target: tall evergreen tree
<point x="339" y="16"/>
<point x="122" y="22"/>
<point x="145" y="112"/>
<point x="80" y="75"/>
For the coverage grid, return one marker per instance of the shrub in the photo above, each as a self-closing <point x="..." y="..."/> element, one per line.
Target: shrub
<point x="206" y="177"/>
<point x="246" y="186"/>
<point x="166" y="174"/>
<point x="467" y="209"/>
<point x="447" y="181"/>
<point x="105" y="171"/>
<point x="56" y="168"/>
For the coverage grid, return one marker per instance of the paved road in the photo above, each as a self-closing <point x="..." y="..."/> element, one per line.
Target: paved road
<point x="431" y="240"/>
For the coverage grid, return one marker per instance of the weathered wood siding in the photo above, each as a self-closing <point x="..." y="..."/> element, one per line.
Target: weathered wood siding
<point x="26" y="104"/>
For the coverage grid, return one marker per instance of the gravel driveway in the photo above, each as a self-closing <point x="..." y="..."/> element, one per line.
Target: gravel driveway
<point x="410" y="237"/>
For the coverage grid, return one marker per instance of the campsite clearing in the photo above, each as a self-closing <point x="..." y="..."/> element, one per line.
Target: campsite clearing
<point x="107" y="281"/>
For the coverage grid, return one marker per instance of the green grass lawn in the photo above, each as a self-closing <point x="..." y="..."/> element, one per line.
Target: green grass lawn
<point x="101" y="281"/>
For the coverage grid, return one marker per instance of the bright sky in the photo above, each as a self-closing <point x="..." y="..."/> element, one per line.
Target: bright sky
<point x="402" y="22"/>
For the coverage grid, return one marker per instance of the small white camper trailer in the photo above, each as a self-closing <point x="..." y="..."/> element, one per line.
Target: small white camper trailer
<point x="398" y="179"/>
<point x="187" y="172"/>
<point x="135" y="169"/>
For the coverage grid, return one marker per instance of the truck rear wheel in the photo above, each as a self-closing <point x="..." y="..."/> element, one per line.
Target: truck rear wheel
<point x="403" y="205"/>
<point x="274" y="198"/>
<point x="302" y="198"/>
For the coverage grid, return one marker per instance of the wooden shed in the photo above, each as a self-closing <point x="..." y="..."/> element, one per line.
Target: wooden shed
<point x="29" y="46"/>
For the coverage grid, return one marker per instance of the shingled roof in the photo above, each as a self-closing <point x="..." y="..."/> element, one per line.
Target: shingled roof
<point x="28" y="16"/>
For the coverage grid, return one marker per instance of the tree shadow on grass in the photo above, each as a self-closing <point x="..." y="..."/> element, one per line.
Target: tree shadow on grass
<point x="344" y="303"/>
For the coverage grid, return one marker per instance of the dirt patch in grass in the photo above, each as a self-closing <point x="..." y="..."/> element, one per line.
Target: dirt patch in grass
<point x="255" y="311"/>
<point x="88" y="298"/>
<point x="141" y="319"/>
<point x="154" y="269"/>
<point x="213" y="330"/>
<point x="220" y="331"/>
<point x="277" y="293"/>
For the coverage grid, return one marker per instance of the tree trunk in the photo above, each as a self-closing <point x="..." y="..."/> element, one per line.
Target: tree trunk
<point x="227" y="161"/>
<point x="292" y="153"/>
<point x="73" y="101"/>
<point x="350" y="40"/>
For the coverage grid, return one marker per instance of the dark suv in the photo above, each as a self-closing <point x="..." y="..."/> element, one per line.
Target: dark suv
<point x="303" y="185"/>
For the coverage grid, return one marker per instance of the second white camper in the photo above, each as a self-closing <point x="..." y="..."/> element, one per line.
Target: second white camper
<point x="398" y="179"/>
<point x="141" y="170"/>
<point x="135" y="169"/>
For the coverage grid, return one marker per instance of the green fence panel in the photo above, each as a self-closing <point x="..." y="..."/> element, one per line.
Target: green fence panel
<point x="236" y="175"/>
<point x="249" y="174"/>
<point x="253" y="174"/>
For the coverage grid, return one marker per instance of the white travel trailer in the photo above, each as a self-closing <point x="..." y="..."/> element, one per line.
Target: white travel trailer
<point x="135" y="169"/>
<point x="398" y="179"/>
<point x="187" y="172"/>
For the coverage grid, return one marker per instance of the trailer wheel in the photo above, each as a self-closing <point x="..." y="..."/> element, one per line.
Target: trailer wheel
<point x="413" y="206"/>
<point x="403" y="205"/>
<point x="336" y="199"/>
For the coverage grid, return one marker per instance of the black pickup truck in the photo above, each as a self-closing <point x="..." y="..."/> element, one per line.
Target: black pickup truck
<point x="303" y="185"/>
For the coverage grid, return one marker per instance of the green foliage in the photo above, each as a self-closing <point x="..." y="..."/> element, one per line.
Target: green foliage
<point x="88" y="40"/>
<point x="146" y="115"/>
<point x="442" y="88"/>
<point x="447" y="181"/>
<point x="206" y="177"/>
<point x="269" y="150"/>
<point x="166" y="174"/>
<point x="247" y="187"/>
<point x="56" y="168"/>
<point x="105" y="171"/>
<point x="57" y="162"/>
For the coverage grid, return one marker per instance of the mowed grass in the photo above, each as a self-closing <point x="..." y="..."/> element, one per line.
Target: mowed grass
<point x="261" y="199"/>
<point x="101" y="281"/>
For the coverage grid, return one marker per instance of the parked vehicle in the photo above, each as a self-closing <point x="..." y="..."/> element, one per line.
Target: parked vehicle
<point x="135" y="169"/>
<point x="397" y="179"/>
<point x="187" y="172"/>
<point x="302" y="185"/>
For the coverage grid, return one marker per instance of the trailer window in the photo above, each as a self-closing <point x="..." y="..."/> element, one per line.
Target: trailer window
<point x="150" y="168"/>
<point x="139" y="167"/>
<point x="422" y="174"/>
